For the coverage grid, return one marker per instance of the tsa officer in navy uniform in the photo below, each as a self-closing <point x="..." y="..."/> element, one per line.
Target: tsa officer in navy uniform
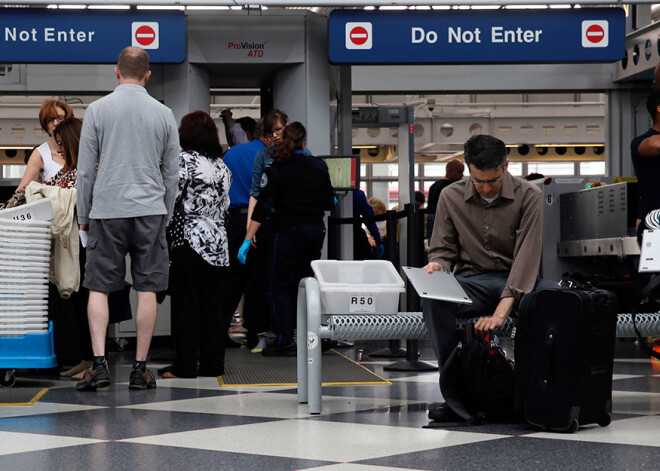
<point x="295" y="193"/>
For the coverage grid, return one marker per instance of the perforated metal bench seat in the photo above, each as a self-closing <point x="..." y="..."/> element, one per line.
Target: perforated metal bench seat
<point x="410" y="325"/>
<point x="314" y="326"/>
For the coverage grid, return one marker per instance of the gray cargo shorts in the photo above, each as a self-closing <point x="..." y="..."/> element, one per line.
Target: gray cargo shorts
<point x="111" y="239"/>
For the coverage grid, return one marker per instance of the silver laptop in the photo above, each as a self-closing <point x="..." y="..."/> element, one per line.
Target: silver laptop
<point x="649" y="257"/>
<point x="439" y="285"/>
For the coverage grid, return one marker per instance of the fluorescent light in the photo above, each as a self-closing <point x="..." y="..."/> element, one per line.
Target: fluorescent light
<point x="159" y="7"/>
<point x="423" y="7"/>
<point x="369" y="7"/>
<point x="558" y="6"/>
<point x="73" y="7"/>
<point x="463" y="7"/>
<point x="393" y="7"/>
<point x="16" y="147"/>
<point x="441" y="7"/>
<point x="206" y="8"/>
<point x="109" y="7"/>
<point x="52" y="7"/>
<point x="236" y="7"/>
<point x="485" y="7"/>
<point x="527" y="7"/>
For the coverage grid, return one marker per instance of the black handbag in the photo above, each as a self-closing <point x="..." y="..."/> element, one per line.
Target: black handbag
<point x="478" y="380"/>
<point x="174" y="229"/>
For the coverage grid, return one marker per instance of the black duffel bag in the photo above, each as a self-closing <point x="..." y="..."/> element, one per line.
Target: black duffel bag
<point x="478" y="381"/>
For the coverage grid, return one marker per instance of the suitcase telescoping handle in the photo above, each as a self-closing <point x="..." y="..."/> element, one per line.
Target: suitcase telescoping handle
<point x="549" y="347"/>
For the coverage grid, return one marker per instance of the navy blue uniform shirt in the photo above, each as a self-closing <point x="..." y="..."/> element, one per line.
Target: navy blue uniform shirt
<point x="647" y="170"/>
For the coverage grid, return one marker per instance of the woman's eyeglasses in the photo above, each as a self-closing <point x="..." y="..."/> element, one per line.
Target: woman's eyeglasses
<point x="59" y="118"/>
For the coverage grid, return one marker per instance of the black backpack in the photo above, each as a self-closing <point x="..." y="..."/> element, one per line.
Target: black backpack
<point x="478" y="380"/>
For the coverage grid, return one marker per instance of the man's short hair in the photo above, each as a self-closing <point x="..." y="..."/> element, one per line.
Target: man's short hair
<point x="133" y="63"/>
<point x="258" y="132"/>
<point x="485" y="152"/>
<point x="248" y="124"/>
<point x="454" y="169"/>
<point x="420" y="199"/>
<point x="652" y="103"/>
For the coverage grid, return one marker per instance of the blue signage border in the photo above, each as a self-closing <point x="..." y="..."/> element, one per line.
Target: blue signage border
<point x="476" y="37"/>
<point x="39" y="35"/>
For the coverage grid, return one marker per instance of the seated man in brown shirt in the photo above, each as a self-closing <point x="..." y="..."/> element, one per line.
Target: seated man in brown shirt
<point x="488" y="231"/>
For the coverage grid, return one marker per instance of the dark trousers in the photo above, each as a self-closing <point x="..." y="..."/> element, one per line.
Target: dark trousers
<point x="484" y="289"/>
<point x="197" y="324"/>
<point x="70" y="325"/>
<point x="247" y="280"/>
<point x="293" y="251"/>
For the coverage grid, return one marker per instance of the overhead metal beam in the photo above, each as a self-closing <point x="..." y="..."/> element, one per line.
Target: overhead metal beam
<point x="322" y="3"/>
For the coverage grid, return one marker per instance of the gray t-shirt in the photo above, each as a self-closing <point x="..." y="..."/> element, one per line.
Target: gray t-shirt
<point x="134" y="140"/>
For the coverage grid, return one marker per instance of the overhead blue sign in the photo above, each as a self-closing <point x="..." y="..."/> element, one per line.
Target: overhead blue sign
<point x="502" y="36"/>
<point x="40" y="35"/>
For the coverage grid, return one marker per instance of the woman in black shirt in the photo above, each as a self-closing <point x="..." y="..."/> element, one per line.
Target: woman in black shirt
<point x="295" y="193"/>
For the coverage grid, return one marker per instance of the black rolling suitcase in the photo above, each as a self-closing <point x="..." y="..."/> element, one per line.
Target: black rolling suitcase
<point x="564" y="351"/>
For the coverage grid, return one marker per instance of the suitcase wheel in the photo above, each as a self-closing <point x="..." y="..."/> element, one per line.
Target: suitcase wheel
<point x="574" y="426"/>
<point x="606" y="420"/>
<point x="7" y="378"/>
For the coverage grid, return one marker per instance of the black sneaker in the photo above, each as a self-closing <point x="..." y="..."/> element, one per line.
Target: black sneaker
<point x="272" y="350"/>
<point x="95" y="378"/>
<point x="141" y="380"/>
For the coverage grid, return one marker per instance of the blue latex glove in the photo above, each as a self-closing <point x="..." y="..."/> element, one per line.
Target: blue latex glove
<point x="243" y="251"/>
<point x="336" y="200"/>
<point x="380" y="251"/>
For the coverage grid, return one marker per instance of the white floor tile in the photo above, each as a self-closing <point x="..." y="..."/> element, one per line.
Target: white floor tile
<point x="631" y="402"/>
<point x="641" y="431"/>
<point x="42" y="408"/>
<point x="273" y="405"/>
<point x="420" y="378"/>
<point x="356" y="467"/>
<point x="15" y="442"/>
<point x="633" y="360"/>
<point x="309" y="439"/>
<point x="615" y="377"/>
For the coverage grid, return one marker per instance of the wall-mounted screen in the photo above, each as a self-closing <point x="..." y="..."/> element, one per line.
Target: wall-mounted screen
<point x="344" y="171"/>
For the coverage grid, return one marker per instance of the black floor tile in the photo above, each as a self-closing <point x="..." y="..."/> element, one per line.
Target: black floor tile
<point x="118" y="424"/>
<point x="522" y="453"/>
<point x="112" y="456"/>
<point x="119" y="395"/>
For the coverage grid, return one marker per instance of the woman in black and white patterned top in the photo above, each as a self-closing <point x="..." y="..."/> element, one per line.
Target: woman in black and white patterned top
<point x="198" y="250"/>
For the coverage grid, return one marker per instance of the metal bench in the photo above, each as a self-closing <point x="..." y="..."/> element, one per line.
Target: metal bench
<point x="314" y="326"/>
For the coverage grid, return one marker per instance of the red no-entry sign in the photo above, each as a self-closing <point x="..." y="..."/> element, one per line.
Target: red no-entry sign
<point x="595" y="33"/>
<point x="358" y="35"/>
<point x="145" y="35"/>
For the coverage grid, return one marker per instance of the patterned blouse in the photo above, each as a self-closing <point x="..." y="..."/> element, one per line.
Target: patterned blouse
<point x="203" y="194"/>
<point x="64" y="179"/>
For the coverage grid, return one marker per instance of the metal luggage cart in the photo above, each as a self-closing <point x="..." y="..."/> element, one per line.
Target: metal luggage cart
<point x="26" y="335"/>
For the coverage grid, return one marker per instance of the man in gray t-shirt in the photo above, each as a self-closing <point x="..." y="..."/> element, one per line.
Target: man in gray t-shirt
<point x="127" y="180"/>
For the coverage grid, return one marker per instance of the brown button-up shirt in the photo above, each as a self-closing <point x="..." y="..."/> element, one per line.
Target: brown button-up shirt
<point x="471" y="235"/>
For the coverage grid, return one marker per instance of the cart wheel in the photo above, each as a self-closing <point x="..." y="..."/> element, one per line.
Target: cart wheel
<point x="7" y="378"/>
<point x="574" y="426"/>
<point x="606" y="420"/>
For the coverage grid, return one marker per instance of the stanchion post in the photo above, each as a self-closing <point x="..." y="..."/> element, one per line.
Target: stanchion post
<point x="415" y="237"/>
